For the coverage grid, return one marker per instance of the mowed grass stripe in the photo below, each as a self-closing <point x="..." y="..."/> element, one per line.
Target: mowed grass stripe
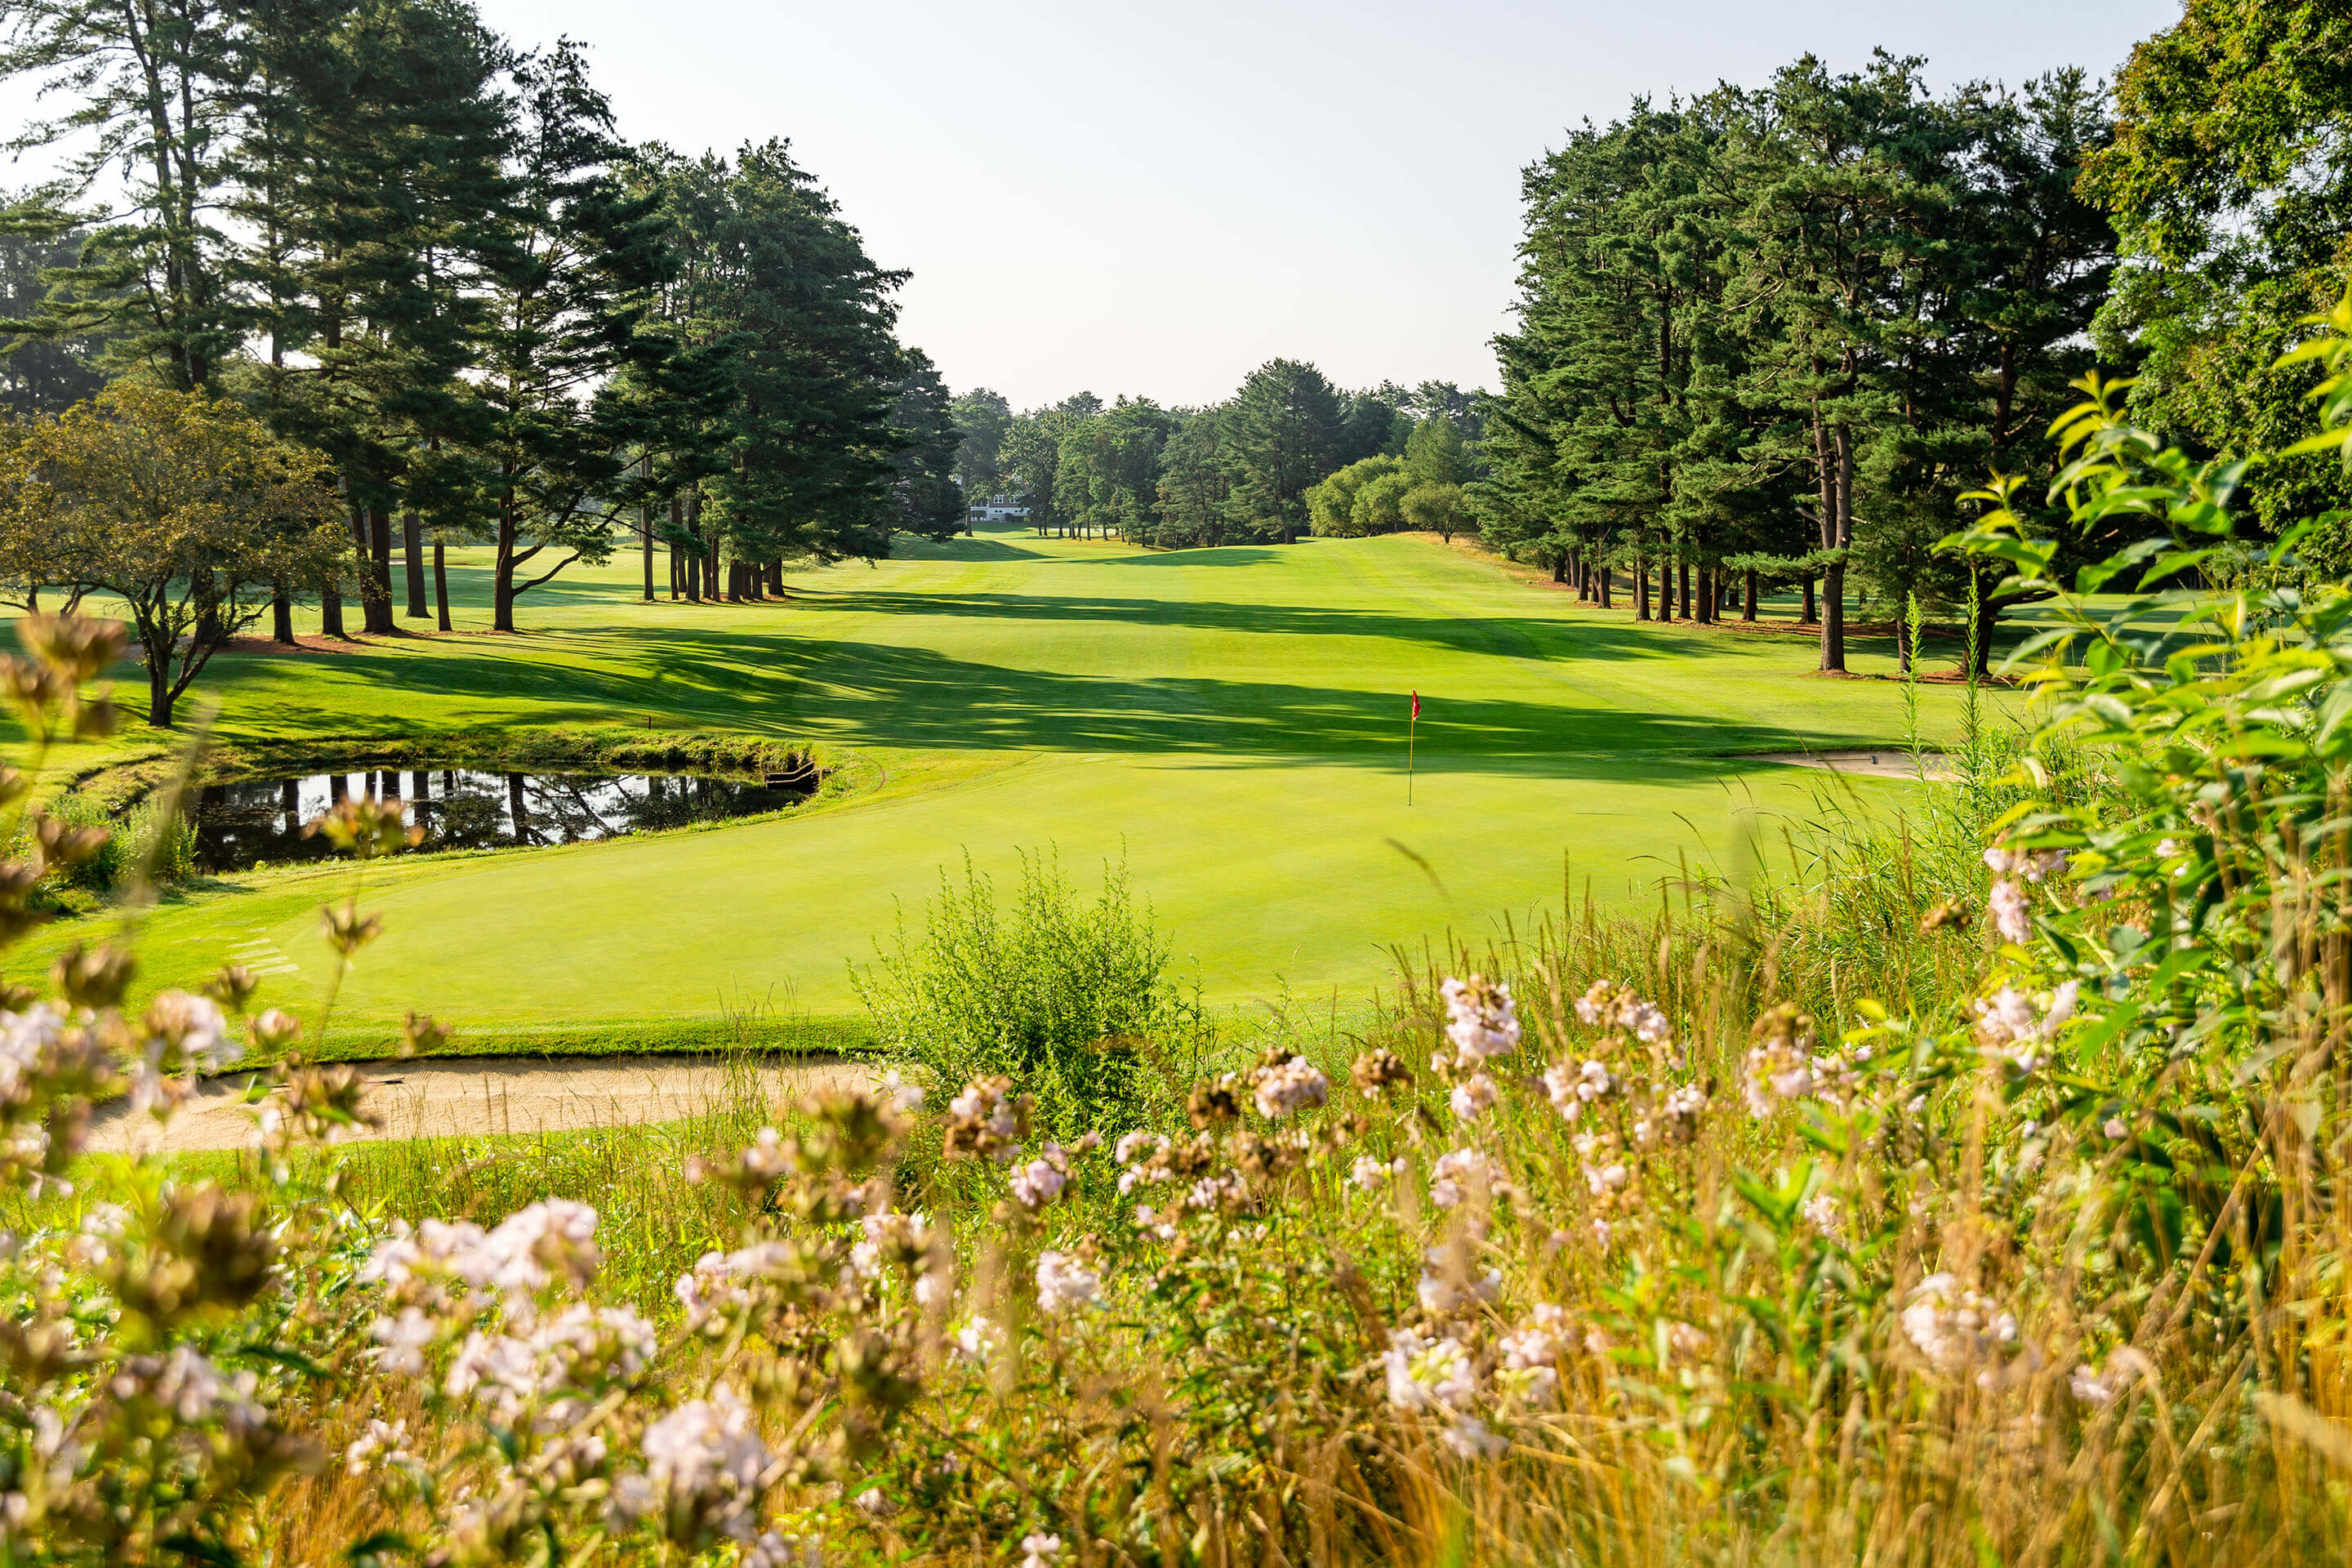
<point x="1232" y="722"/>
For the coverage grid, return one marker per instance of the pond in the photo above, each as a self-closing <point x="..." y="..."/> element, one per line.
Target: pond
<point x="247" y="822"/>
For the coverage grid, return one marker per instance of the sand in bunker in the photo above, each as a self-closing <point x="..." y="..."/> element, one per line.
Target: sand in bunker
<point x="1892" y="763"/>
<point x="483" y="1095"/>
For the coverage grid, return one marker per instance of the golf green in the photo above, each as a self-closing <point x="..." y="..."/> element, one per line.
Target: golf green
<point x="1232" y="723"/>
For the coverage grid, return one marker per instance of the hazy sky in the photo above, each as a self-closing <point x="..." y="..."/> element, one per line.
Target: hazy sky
<point x="1155" y="199"/>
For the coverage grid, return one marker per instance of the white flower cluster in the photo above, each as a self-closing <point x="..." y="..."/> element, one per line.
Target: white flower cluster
<point x="1457" y="1171"/>
<point x="1781" y="1071"/>
<point x="528" y="1250"/>
<point x="1956" y="1327"/>
<point x="975" y="1339"/>
<point x="1041" y="1181"/>
<point x="2007" y="901"/>
<point x="1573" y="1086"/>
<point x="1371" y="1173"/>
<point x="2124" y="1367"/>
<point x="903" y="1240"/>
<point x="1281" y="1087"/>
<point x="1446" y="1289"/>
<point x="1482" y="1022"/>
<point x="382" y="1444"/>
<point x="2014" y="1027"/>
<point x="545" y="1372"/>
<point x="186" y="1383"/>
<point x="186" y="1035"/>
<point x="705" y="1464"/>
<point x="1063" y="1282"/>
<point x="1039" y="1551"/>
<point x="1606" y="1005"/>
<point x="722" y="1285"/>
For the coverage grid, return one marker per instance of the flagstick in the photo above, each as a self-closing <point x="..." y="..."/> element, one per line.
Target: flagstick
<point x="1411" y="725"/>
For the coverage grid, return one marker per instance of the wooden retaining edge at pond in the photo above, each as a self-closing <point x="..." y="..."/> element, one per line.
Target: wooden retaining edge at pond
<point x="475" y="1096"/>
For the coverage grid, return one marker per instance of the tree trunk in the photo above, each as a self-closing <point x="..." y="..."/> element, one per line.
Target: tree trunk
<point x="776" y="577"/>
<point x="691" y="566"/>
<point x="1684" y="573"/>
<point x="159" y="688"/>
<point x="646" y="522"/>
<point x="502" y="595"/>
<point x="1641" y="589"/>
<point x="1667" y="589"/>
<point x="281" y="614"/>
<point x="521" y="815"/>
<point x="375" y="598"/>
<point x="330" y="611"/>
<point x="1603" y="575"/>
<point x="1833" y="453"/>
<point x="1808" y="614"/>
<point x="1902" y="645"/>
<point x="440" y="583"/>
<point x="1560" y="568"/>
<point x="412" y="545"/>
<point x="1748" y="595"/>
<point x="676" y="527"/>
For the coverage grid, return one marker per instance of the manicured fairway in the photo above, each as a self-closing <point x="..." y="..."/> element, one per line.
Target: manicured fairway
<point x="1231" y="720"/>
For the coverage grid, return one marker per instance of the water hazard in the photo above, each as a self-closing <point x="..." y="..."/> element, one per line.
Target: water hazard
<point x="250" y="822"/>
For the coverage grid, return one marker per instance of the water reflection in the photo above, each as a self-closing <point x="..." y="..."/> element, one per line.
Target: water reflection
<point x="252" y="821"/>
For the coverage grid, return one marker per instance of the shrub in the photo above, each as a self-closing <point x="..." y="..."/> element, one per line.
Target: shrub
<point x="1069" y="998"/>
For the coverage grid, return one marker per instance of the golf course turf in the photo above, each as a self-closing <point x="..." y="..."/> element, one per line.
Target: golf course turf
<point x="1232" y="721"/>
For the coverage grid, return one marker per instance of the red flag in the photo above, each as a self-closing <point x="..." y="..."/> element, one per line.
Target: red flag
<point x="1416" y="704"/>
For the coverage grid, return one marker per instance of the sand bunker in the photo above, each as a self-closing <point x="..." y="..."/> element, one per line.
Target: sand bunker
<point x="1892" y="763"/>
<point x="468" y="1096"/>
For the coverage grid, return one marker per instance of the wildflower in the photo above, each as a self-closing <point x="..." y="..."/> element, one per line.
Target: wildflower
<point x="1682" y="1110"/>
<point x="1453" y="1168"/>
<point x="1481" y="1020"/>
<point x="1377" y="1071"/>
<point x="1779" y="1066"/>
<point x="381" y="1444"/>
<point x="2008" y="906"/>
<point x="774" y="1550"/>
<point x="1160" y="1222"/>
<point x="2115" y="1129"/>
<point x="1473" y="1097"/>
<point x="1439" y="1296"/>
<point x="1609" y="1006"/>
<point x="2010" y="1027"/>
<point x="1041" y="1181"/>
<point x="2102" y="1387"/>
<point x="1953" y="1326"/>
<point x="1063" y="1281"/>
<point x="1371" y="1174"/>
<point x="705" y="1458"/>
<point x="1281" y="1088"/>
<point x="1601" y="1232"/>
<point x="1469" y="1438"/>
<point x="1608" y="1178"/>
<point x="1422" y="1373"/>
<point x="1039" y="1549"/>
<point x="1821" y="1212"/>
<point x="1137" y="1145"/>
<point x="889" y="1239"/>
<point x="987" y="1121"/>
<point x="975" y="1339"/>
<point x="1572" y="1087"/>
<point x="403" y="1341"/>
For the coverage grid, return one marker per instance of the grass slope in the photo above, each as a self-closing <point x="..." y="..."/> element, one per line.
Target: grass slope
<point x="1231" y="720"/>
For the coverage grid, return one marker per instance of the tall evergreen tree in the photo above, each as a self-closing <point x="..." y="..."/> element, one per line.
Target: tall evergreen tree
<point x="1281" y="437"/>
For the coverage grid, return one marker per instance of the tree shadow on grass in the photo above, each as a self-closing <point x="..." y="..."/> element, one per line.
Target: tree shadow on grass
<point x="883" y="694"/>
<point x="1518" y="637"/>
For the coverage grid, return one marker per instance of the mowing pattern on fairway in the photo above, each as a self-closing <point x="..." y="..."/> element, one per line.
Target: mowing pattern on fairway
<point x="1231" y="720"/>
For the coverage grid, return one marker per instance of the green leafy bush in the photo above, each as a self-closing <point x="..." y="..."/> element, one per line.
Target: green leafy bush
<point x="1070" y="998"/>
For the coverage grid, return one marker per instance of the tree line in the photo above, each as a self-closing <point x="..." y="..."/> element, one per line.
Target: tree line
<point x="1781" y="337"/>
<point x="402" y="244"/>
<point x="1259" y="467"/>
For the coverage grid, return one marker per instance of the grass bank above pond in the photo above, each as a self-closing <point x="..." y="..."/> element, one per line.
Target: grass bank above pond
<point x="1232" y="721"/>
